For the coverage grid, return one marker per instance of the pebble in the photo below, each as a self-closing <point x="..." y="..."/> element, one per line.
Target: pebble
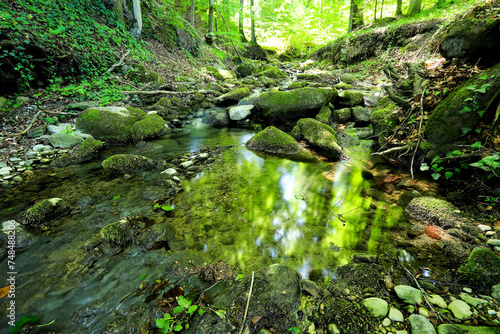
<point x="44" y="160"/>
<point x="386" y="323"/>
<point x="468" y="290"/>
<point x="15" y="159"/>
<point x="490" y="233"/>
<point x="17" y="178"/>
<point x="186" y="164"/>
<point x="493" y="242"/>
<point x="484" y="228"/>
<point x="423" y="311"/>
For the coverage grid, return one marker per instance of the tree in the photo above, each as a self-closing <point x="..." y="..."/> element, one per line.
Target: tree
<point x="375" y="12"/>
<point x="415" y="6"/>
<point x="240" y="22"/>
<point x="191" y="13"/>
<point x="355" y="15"/>
<point x="399" y="6"/>
<point x="210" y="21"/>
<point x="137" y="27"/>
<point x="252" y="24"/>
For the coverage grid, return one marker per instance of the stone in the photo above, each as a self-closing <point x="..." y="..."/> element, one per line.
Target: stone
<point x="342" y="115"/>
<point x="377" y="306"/>
<point x="495" y="291"/>
<point x="433" y="211"/>
<point x="214" y="86"/>
<point x="484" y="228"/>
<point x="423" y="311"/>
<point x="37" y="132"/>
<point x="481" y="269"/>
<point x="44" y="212"/>
<point x="81" y="106"/>
<point x="119" y="232"/>
<point x="217" y="119"/>
<point x="141" y="74"/>
<point x="311" y="288"/>
<point x="460" y="309"/>
<point x="220" y="74"/>
<point x="232" y="97"/>
<point x="245" y="69"/>
<point x="409" y="294"/>
<point x="189" y="39"/>
<point x="127" y="163"/>
<point x="23" y="238"/>
<point x="472" y="301"/>
<point x="150" y="126"/>
<point x="308" y="77"/>
<point x="437" y="300"/>
<point x="274" y="141"/>
<point x="493" y="242"/>
<point x="239" y="113"/>
<point x="348" y="78"/>
<point x="349" y="98"/>
<point x="396" y="315"/>
<point x="333" y="329"/>
<point x="386" y="322"/>
<point x="361" y="115"/>
<point x="186" y="164"/>
<point x="17" y="178"/>
<point x="366" y="258"/>
<point x="169" y="172"/>
<point x="420" y="325"/>
<point x="66" y="140"/>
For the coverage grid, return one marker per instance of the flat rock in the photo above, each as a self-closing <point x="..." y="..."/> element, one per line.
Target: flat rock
<point x="420" y="325"/>
<point x="437" y="300"/>
<point x="461" y="310"/>
<point x="239" y="113"/>
<point x="471" y="300"/>
<point x="409" y="294"/>
<point x="377" y="307"/>
<point x="396" y="315"/>
<point x="493" y="242"/>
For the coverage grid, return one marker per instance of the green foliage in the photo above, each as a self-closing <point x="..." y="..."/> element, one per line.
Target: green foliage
<point x="294" y="330"/>
<point x="180" y="318"/>
<point x="482" y="269"/>
<point x="490" y="164"/>
<point x="27" y="319"/>
<point x="164" y="207"/>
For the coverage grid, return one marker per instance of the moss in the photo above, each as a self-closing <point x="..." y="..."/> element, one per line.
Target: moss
<point x="220" y="74"/>
<point x="433" y="211"/>
<point x="119" y="232"/>
<point x="383" y="118"/>
<point x="297" y="84"/>
<point x="342" y="115"/>
<point x="272" y="72"/>
<point x="198" y="97"/>
<point x="343" y="86"/>
<point x="127" y="163"/>
<point x="151" y="126"/>
<point x="233" y="96"/>
<point x="214" y="86"/>
<point x="140" y="74"/>
<point x="177" y="102"/>
<point x="43" y="212"/>
<point x="273" y="140"/>
<point x="482" y="269"/>
<point x="324" y="115"/>
<point x="350" y="98"/>
<point x="319" y="135"/>
<point x="308" y="77"/>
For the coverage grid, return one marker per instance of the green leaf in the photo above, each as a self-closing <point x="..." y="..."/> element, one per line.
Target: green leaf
<point x="201" y="311"/>
<point x="435" y="176"/>
<point x="469" y="99"/>
<point x="157" y="205"/>
<point x="178" y="309"/>
<point x="484" y="77"/>
<point x="457" y="152"/>
<point x="472" y="87"/>
<point x="424" y="167"/>
<point x="167" y="208"/>
<point x="240" y="276"/>
<point x="184" y="302"/>
<point x="178" y="328"/>
<point x="221" y="314"/>
<point x="447" y="175"/>
<point x="478" y="130"/>
<point x="192" y="309"/>
<point x="482" y="89"/>
<point x="116" y="197"/>
<point x="143" y="276"/>
<point x="464" y="110"/>
<point x="27" y="319"/>
<point x="476" y="145"/>
<point x="466" y="130"/>
<point x="481" y="113"/>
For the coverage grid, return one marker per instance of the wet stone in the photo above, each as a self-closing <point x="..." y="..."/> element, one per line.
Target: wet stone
<point x="420" y="325"/>
<point x="484" y="228"/>
<point x="460" y="309"/>
<point x="409" y="294"/>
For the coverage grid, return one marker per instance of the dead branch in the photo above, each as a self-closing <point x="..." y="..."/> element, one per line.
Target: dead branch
<point x="394" y="149"/>
<point x="28" y="128"/>
<point x="120" y="62"/>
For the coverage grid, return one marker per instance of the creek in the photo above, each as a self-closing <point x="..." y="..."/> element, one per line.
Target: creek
<point x="249" y="211"/>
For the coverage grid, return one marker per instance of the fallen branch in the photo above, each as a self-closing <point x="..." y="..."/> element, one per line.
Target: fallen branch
<point x="167" y="92"/>
<point x="248" y="304"/>
<point x="419" y="129"/>
<point x="60" y="113"/>
<point x="120" y="62"/>
<point x="398" y="100"/>
<point x="394" y="149"/>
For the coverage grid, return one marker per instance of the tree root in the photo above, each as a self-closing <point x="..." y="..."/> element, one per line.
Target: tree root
<point x="398" y="100"/>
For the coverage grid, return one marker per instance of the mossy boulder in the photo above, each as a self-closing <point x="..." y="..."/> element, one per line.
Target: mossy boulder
<point x="119" y="233"/>
<point x="87" y="151"/>
<point x="220" y="74"/>
<point x="217" y="119"/>
<point x="298" y="84"/>
<point x="140" y="74"/>
<point x="273" y="140"/>
<point x="349" y="98"/>
<point x="272" y="72"/>
<point x="267" y="82"/>
<point x="215" y="86"/>
<point x="481" y="269"/>
<point x="324" y="115"/>
<point x="44" y="212"/>
<point x="342" y="116"/>
<point x="348" y="78"/>
<point x="308" y="77"/>
<point x="245" y="69"/>
<point x="434" y="211"/>
<point x="150" y="126"/>
<point x="319" y="136"/>
<point x="233" y="97"/>
<point x="383" y="118"/>
<point x="110" y="124"/>
<point x="299" y="102"/>
<point x="464" y="107"/>
<point x="127" y="163"/>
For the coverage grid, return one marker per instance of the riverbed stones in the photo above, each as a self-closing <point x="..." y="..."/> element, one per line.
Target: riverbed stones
<point x="493" y="242"/>
<point x="66" y="140"/>
<point x="420" y="325"/>
<point x="239" y="113"/>
<point x="460" y="309"/>
<point x="233" y="97"/>
<point x="433" y="211"/>
<point x="245" y="69"/>
<point x="342" y="115"/>
<point x="44" y="212"/>
<point x="348" y="78"/>
<point x="149" y="127"/>
<point x="377" y="306"/>
<point x="119" y="232"/>
<point x="437" y="300"/>
<point x="409" y="294"/>
<point x="396" y="315"/>
<point x="349" y="98"/>
<point x="127" y="163"/>
<point x="217" y="119"/>
<point x="472" y="301"/>
<point x="481" y="269"/>
<point x="23" y="237"/>
<point x="361" y="115"/>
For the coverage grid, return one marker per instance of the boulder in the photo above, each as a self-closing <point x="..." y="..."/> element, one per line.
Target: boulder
<point x="324" y="115"/>
<point x="215" y="86"/>
<point x="396" y="315"/>
<point x="127" y="163"/>
<point x="189" y="39"/>
<point x="66" y="140"/>
<point x="119" y="232"/>
<point x="245" y="69"/>
<point x="308" y="77"/>
<point x="217" y="119"/>
<point x="460" y="309"/>
<point x="233" y="97"/>
<point x="434" y="211"/>
<point x="239" y="113"/>
<point x="299" y="102"/>
<point x="420" y="325"/>
<point x="273" y="140"/>
<point x="361" y="115"/>
<point x="272" y="72"/>
<point x="220" y="74"/>
<point x="87" y="151"/>
<point x="348" y="78"/>
<point x="150" y="126"/>
<point x="409" y="294"/>
<point x="377" y="306"/>
<point x="341" y="115"/>
<point x="44" y="212"/>
<point x="266" y="81"/>
<point x="320" y="136"/>
<point x="350" y="98"/>
<point x="481" y="269"/>
<point x="460" y="111"/>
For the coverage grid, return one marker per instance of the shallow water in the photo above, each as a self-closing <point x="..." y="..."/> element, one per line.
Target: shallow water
<point x="248" y="211"/>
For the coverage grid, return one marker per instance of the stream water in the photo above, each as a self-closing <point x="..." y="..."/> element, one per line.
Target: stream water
<point x="248" y="211"/>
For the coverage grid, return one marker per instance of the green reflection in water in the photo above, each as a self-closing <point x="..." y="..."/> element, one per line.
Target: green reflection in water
<point x="251" y="212"/>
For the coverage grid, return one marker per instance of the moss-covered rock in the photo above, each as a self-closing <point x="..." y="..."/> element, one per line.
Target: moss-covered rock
<point x="349" y="98"/>
<point x="319" y="136"/>
<point x="463" y="108"/>
<point x="233" y="97"/>
<point x="150" y="126"/>
<point x="127" y="163"/>
<point x="299" y="102"/>
<point x="44" y="212"/>
<point x="215" y="86"/>
<point x="274" y="141"/>
<point x="298" y="84"/>
<point x="119" y="233"/>
<point x="434" y="211"/>
<point x="220" y="74"/>
<point x="245" y="69"/>
<point x="324" y="115"/>
<point x="348" y="78"/>
<point x="267" y="82"/>
<point x="87" y="151"/>
<point x="110" y="124"/>
<point x="342" y="116"/>
<point x="272" y="72"/>
<point x="482" y="269"/>
<point x="308" y="77"/>
<point x="217" y="119"/>
<point x="383" y="118"/>
<point x="140" y="74"/>
<point x="343" y="86"/>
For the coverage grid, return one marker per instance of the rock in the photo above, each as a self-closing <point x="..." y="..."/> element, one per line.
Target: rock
<point x="409" y="294"/>
<point x="272" y="72"/>
<point x="66" y="140"/>
<point x="87" y="151"/>
<point x="484" y="228"/>
<point x="233" y="97"/>
<point x="170" y="172"/>
<point x="348" y="78"/>
<point x="37" y="132"/>
<point x="493" y="242"/>
<point x="386" y="322"/>
<point x="127" y="163"/>
<point x="81" y="106"/>
<point x="333" y="329"/>
<point x="460" y="309"/>
<point x="377" y="307"/>
<point x="217" y="119"/>
<point x="311" y="288"/>
<point x="324" y="115"/>
<point x="361" y="115"/>
<point x="320" y="136"/>
<point x="342" y="116"/>
<point x="188" y="39"/>
<point x="446" y="122"/>
<point x="396" y="315"/>
<point x="474" y="302"/>
<point x="44" y="212"/>
<point x="186" y="164"/>
<point x="298" y="84"/>
<point x="482" y="269"/>
<point x="365" y="258"/>
<point x="249" y="100"/>
<point x="267" y="82"/>
<point x="214" y="86"/>
<point x="245" y="69"/>
<point x="495" y="291"/>
<point x="23" y="238"/>
<point x="433" y="211"/>
<point x="420" y="325"/>
<point x="342" y="86"/>
<point x="452" y="329"/>
<point x="239" y="113"/>
<point x="141" y="74"/>
<point x="437" y="300"/>
<point x="423" y="311"/>
<point x="220" y="74"/>
<point x="349" y="98"/>
<point x="110" y="124"/>
<point x="150" y="126"/>
<point x="383" y="118"/>
<point x="273" y="140"/>
<point x="119" y="232"/>
<point x="299" y="102"/>
<point x="308" y="77"/>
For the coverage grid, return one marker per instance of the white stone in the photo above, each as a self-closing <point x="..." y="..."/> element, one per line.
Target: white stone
<point x="490" y="233"/>
<point x="377" y="306"/>
<point x="186" y="164"/>
<point x="169" y="172"/>
<point x="386" y="322"/>
<point x="471" y="300"/>
<point x="437" y="300"/>
<point x="484" y="228"/>
<point x="396" y="315"/>
<point x="493" y="242"/>
<point x="423" y="311"/>
<point x="461" y="310"/>
<point x="239" y="113"/>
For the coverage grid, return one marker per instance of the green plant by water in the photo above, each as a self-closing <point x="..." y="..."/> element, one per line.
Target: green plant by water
<point x="179" y="319"/>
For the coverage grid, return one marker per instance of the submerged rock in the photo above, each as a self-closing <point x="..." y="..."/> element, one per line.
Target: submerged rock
<point x="87" y="151"/>
<point x="217" y="119"/>
<point x="44" y="212"/>
<point x="119" y="232"/>
<point x="127" y="163"/>
<point x="23" y="237"/>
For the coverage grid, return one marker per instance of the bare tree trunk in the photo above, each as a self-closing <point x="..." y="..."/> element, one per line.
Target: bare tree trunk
<point x="375" y="12"/>
<point x="382" y="9"/>
<point x="240" y="22"/>
<point x="252" y="24"/>
<point x="191" y="14"/>
<point x="415" y="6"/>
<point x="399" y="7"/>
<point x="351" y="14"/>
<point x="357" y="14"/>
<point x="210" y="21"/>
<point x="137" y="29"/>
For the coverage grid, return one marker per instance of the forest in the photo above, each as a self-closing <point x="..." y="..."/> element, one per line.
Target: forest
<point x="259" y="166"/>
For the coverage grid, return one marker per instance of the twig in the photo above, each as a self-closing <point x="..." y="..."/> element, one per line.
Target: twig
<point x="120" y="62"/>
<point x="28" y="128"/>
<point x="59" y="113"/>
<point x="248" y="304"/>
<point x="167" y="92"/>
<point x="394" y="149"/>
<point x="419" y="129"/>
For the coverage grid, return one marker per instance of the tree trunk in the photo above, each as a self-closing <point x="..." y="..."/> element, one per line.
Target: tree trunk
<point x="137" y="29"/>
<point x="399" y="7"/>
<point x="415" y="6"/>
<point x="357" y="14"/>
<point x="252" y="24"/>
<point x="191" y="14"/>
<point x="375" y="12"/>
<point x="351" y="14"/>
<point x="210" y="21"/>
<point x="382" y="9"/>
<point x="240" y="22"/>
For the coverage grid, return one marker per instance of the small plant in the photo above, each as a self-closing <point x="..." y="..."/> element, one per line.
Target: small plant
<point x="164" y="207"/>
<point x="294" y="330"/>
<point x="180" y="318"/>
<point x="51" y="120"/>
<point x="68" y="132"/>
<point x="116" y="197"/>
